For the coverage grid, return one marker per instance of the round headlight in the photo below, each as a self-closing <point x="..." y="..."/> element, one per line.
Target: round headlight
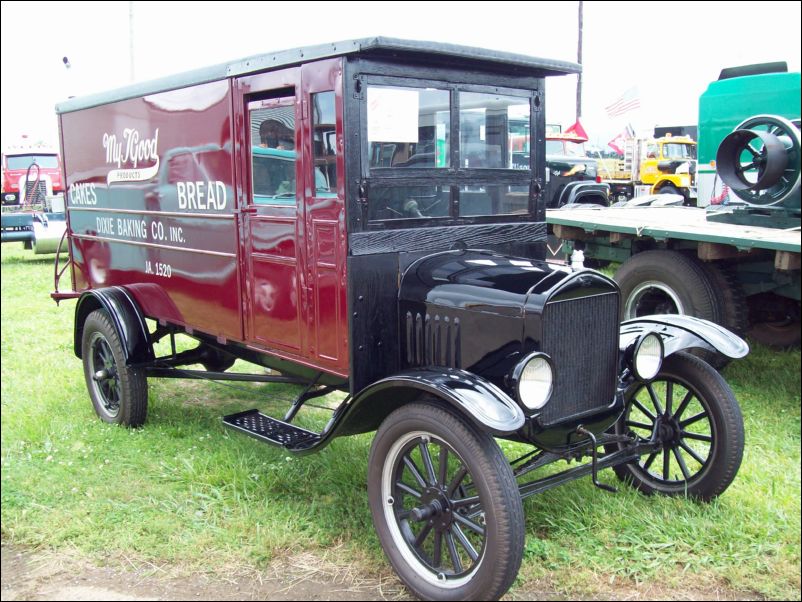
<point x="648" y="356"/>
<point x="535" y="378"/>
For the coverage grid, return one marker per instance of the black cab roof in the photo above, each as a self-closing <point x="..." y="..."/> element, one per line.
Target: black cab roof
<point x="380" y="47"/>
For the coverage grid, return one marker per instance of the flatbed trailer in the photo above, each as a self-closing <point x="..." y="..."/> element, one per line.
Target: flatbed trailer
<point x="674" y="260"/>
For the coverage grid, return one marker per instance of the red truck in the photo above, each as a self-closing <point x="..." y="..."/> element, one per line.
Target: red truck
<point x="36" y="164"/>
<point x="32" y="197"/>
<point x="351" y="216"/>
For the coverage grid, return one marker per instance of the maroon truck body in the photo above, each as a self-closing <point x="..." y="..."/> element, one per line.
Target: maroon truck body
<point x="160" y="202"/>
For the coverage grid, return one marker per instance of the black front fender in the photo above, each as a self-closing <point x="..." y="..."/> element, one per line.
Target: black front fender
<point x="481" y="401"/>
<point x="680" y="332"/>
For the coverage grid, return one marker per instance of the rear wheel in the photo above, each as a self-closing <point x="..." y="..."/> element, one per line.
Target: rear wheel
<point x="669" y="282"/>
<point x="732" y="305"/>
<point x="445" y="505"/>
<point x="774" y="320"/>
<point x="119" y="393"/>
<point x="691" y="411"/>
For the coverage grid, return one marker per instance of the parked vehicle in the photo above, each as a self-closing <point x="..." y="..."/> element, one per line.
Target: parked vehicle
<point x="394" y="253"/>
<point x="572" y="177"/>
<point x="737" y="262"/>
<point x="43" y="180"/>
<point x="665" y="165"/>
<point x="32" y="197"/>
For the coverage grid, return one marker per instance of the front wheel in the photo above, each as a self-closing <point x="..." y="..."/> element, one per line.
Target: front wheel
<point x="692" y="414"/>
<point x="445" y="505"/>
<point x="119" y="393"/>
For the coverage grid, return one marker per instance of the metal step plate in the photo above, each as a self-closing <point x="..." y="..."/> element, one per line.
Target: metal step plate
<point x="270" y="430"/>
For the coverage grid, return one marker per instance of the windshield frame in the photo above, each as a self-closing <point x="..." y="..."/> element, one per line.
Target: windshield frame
<point x="454" y="177"/>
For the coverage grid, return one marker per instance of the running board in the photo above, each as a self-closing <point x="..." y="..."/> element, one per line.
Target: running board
<point x="270" y="430"/>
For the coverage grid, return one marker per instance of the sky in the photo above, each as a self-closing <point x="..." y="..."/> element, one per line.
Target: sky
<point x="668" y="51"/>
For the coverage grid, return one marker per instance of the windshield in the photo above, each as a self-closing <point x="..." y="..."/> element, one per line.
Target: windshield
<point x="408" y="127"/>
<point x="488" y="123"/>
<point x="565" y="147"/>
<point x="476" y="144"/>
<point x="679" y="151"/>
<point x="24" y="161"/>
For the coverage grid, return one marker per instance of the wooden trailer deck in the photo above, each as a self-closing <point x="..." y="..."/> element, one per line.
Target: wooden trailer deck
<point x="716" y="240"/>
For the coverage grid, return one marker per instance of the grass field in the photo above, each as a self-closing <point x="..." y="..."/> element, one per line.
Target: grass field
<point x="184" y="490"/>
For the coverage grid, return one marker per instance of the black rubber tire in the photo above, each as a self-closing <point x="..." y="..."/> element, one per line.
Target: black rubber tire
<point x="123" y="397"/>
<point x="733" y="311"/>
<point x="596" y="264"/>
<point x="724" y="422"/>
<point x="495" y="568"/>
<point x="774" y="320"/>
<point x="777" y="335"/>
<point x="669" y="282"/>
<point x="669" y="189"/>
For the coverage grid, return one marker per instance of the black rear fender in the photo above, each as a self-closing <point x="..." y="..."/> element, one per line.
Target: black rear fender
<point x="126" y="317"/>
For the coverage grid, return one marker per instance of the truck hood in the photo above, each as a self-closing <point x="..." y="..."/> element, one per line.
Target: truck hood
<point x="478" y="281"/>
<point x="481" y="311"/>
<point x="566" y="165"/>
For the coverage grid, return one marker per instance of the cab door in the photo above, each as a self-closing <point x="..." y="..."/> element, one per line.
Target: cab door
<point x="325" y="214"/>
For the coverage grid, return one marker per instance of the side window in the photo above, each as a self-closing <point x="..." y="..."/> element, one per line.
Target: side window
<point x="324" y="142"/>
<point x="273" y="154"/>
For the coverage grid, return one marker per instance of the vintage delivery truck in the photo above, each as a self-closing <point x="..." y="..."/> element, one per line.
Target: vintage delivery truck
<point x="350" y="216"/>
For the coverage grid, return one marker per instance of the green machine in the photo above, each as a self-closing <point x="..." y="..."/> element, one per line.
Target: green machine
<point x="749" y="147"/>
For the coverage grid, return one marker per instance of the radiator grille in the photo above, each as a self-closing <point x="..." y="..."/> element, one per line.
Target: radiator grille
<point x="581" y="336"/>
<point x="35" y="192"/>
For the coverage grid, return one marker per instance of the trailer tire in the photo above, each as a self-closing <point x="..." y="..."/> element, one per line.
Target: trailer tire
<point x="669" y="282"/>
<point x="733" y="307"/>
<point x="119" y="392"/>
<point x="486" y="534"/>
<point x="774" y="320"/>
<point x="777" y="335"/>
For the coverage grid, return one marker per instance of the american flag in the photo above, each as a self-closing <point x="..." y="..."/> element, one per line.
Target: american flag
<point x="628" y="101"/>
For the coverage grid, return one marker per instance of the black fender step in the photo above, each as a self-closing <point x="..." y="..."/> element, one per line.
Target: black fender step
<point x="270" y="430"/>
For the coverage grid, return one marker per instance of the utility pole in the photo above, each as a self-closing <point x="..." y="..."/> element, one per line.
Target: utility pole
<point x="131" y="40"/>
<point x="579" y="60"/>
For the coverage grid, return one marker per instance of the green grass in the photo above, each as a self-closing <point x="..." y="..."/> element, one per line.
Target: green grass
<point x="183" y="489"/>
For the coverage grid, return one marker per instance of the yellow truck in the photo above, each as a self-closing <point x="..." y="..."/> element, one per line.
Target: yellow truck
<point x="665" y="165"/>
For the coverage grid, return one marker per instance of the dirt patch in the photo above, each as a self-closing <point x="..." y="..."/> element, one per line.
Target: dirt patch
<point x="30" y="575"/>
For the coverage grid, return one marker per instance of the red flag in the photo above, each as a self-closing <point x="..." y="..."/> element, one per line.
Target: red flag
<point x="617" y="143"/>
<point x="577" y="132"/>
